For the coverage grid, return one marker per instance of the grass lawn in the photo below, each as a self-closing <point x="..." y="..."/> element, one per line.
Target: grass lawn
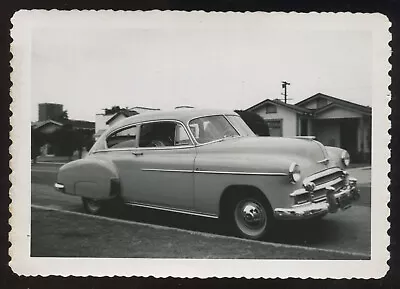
<point x="60" y="234"/>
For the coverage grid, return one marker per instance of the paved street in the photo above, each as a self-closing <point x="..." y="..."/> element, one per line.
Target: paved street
<point x="347" y="231"/>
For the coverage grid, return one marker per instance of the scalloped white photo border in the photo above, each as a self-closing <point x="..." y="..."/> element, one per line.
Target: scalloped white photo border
<point x="21" y="262"/>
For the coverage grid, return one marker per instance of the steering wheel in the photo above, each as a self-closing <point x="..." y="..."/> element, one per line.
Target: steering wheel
<point x="157" y="143"/>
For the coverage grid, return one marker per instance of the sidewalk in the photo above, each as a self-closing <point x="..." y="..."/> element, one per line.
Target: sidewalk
<point x="54" y="159"/>
<point x="362" y="174"/>
<point x="58" y="159"/>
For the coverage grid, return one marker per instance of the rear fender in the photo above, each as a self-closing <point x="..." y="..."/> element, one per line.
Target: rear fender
<point x="90" y="177"/>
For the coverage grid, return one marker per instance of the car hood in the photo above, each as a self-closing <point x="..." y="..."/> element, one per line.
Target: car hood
<point x="287" y="147"/>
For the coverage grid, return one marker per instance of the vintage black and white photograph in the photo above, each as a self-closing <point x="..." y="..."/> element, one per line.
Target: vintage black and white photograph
<point x="198" y="144"/>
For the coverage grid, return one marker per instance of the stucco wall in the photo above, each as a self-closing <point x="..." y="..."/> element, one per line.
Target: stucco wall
<point x="313" y="104"/>
<point x="363" y="144"/>
<point x="288" y="117"/>
<point x="337" y="112"/>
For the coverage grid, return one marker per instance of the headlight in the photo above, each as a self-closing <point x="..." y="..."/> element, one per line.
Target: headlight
<point x="345" y="158"/>
<point x="294" y="173"/>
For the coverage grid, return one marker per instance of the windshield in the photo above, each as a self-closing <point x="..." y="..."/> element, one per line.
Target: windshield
<point x="240" y="125"/>
<point x="211" y="128"/>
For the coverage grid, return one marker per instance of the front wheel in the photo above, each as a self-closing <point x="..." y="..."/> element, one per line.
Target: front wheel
<point x="252" y="218"/>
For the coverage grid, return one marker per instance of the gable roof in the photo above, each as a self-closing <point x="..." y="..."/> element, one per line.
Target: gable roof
<point x="81" y="124"/>
<point x="281" y="103"/>
<point x="125" y="112"/>
<point x="39" y="124"/>
<point x="342" y="103"/>
<point x="78" y="124"/>
<point x="333" y="104"/>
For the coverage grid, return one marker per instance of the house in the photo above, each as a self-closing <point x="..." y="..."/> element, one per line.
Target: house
<point x="333" y="121"/>
<point x="47" y="127"/>
<point x="104" y="120"/>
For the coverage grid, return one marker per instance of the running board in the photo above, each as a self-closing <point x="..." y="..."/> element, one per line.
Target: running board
<point x="134" y="204"/>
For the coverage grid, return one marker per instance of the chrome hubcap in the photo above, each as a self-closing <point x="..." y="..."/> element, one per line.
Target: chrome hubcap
<point x="93" y="205"/>
<point x="251" y="217"/>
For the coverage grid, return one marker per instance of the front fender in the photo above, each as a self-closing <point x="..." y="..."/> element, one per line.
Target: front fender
<point x="335" y="156"/>
<point x="89" y="177"/>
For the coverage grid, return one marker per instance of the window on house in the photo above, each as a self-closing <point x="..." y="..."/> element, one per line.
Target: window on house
<point x="275" y="127"/>
<point x="162" y="134"/>
<point x="124" y="138"/>
<point x="271" y="108"/>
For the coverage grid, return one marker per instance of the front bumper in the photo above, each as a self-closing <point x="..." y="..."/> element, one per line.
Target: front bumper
<point x="335" y="199"/>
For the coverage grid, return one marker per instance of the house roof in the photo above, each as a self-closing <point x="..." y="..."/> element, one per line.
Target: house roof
<point x="39" y="124"/>
<point x="78" y="124"/>
<point x="338" y="101"/>
<point x="144" y="108"/>
<point x="125" y="112"/>
<point x="334" y="104"/>
<point x="81" y="124"/>
<point x="281" y="103"/>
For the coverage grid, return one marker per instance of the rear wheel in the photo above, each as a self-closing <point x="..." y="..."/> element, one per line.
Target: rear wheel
<point x="93" y="207"/>
<point x="252" y="217"/>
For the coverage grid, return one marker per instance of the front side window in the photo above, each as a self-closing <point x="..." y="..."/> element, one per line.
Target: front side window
<point x="124" y="138"/>
<point x="163" y="134"/>
<point x="211" y="128"/>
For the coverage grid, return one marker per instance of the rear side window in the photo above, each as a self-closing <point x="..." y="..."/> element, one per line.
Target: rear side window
<point x="124" y="138"/>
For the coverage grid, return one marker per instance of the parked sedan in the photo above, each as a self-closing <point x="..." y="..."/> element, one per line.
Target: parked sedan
<point x="209" y="163"/>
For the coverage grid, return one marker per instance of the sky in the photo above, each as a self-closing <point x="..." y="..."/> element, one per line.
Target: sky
<point x="210" y="61"/>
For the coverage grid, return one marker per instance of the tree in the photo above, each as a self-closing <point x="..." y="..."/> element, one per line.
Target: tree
<point x="256" y="123"/>
<point x="37" y="140"/>
<point x="62" y="117"/>
<point x="64" y="140"/>
<point x="113" y="110"/>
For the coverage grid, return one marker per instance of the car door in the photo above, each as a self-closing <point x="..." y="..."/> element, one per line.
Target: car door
<point x="163" y="165"/>
<point x="120" y="147"/>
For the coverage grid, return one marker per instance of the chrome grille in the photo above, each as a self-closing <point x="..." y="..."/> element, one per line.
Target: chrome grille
<point x="330" y="177"/>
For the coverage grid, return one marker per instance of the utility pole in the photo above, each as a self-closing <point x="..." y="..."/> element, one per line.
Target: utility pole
<point x="284" y="85"/>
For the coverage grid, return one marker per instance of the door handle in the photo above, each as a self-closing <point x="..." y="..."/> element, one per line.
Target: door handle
<point x="137" y="153"/>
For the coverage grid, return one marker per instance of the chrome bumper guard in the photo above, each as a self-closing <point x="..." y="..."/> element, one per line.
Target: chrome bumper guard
<point x="335" y="199"/>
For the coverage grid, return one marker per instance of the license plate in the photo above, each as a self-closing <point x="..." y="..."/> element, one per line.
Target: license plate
<point x="344" y="202"/>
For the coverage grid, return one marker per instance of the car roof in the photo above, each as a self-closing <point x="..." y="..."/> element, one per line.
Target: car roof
<point x="181" y="114"/>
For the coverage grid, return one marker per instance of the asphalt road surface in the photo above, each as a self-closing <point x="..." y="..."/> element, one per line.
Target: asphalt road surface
<point x="345" y="231"/>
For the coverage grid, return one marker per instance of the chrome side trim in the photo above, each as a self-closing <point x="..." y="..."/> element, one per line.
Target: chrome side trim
<point x="214" y="172"/>
<point x="161" y="208"/>
<point x="146" y="148"/>
<point x="167" y="170"/>
<point x="240" y="173"/>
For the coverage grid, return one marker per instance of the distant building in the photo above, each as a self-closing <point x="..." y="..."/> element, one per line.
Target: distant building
<point x="184" y="106"/>
<point x="104" y="120"/>
<point x="48" y="127"/>
<point x="49" y="111"/>
<point x="142" y="109"/>
<point x="333" y="121"/>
